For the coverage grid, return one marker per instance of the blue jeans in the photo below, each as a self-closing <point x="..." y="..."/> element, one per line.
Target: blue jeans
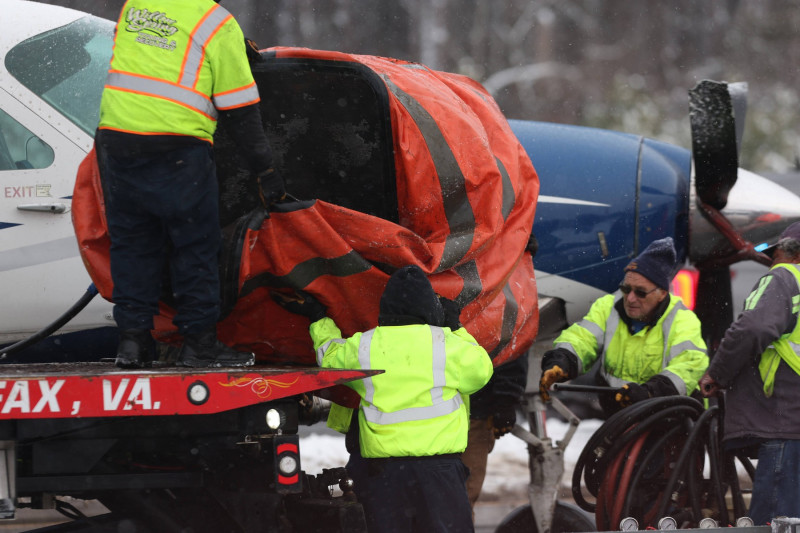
<point x="776" y="487"/>
<point x="162" y="208"/>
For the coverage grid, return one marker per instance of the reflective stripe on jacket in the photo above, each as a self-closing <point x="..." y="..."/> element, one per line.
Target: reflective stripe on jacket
<point x="420" y="404"/>
<point x="787" y="347"/>
<point x="174" y="65"/>
<point x="672" y="347"/>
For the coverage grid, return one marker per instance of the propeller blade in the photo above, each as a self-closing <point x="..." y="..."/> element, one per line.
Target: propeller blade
<point x="738" y="92"/>
<point x="716" y="113"/>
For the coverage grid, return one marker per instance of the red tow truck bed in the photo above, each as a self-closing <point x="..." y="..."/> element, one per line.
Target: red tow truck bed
<point x="78" y="390"/>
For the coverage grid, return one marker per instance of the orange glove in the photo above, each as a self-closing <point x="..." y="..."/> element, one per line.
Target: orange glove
<point x="552" y="375"/>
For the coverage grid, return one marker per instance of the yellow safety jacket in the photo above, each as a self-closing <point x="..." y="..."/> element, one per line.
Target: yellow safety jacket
<point x="420" y="404"/>
<point x="787" y="347"/>
<point x="672" y="347"/>
<point x="174" y="65"/>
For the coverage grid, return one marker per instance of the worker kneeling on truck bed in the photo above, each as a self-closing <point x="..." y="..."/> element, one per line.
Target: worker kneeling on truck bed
<point x="411" y="425"/>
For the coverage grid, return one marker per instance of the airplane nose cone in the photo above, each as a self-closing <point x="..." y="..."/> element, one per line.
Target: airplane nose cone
<point x="758" y="208"/>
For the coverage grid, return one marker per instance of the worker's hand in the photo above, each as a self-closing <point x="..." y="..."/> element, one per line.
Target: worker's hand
<point x="301" y="303"/>
<point x="708" y="386"/>
<point x="452" y="313"/>
<point x="270" y="187"/>
<point x="558" y="365"/>
<point x="555" y="374"/>
<point x="503" y="418"/>
<point x="631" y="393"/>
<point x="253" y="55"/>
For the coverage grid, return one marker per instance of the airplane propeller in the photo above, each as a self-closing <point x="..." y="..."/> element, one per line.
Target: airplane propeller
<point x="715" y="142"/>
<point x="717" y="112"/>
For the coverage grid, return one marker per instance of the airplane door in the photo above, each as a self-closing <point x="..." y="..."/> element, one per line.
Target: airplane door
<point x="41" y="273"/>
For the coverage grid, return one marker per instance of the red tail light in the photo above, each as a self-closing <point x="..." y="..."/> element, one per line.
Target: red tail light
<point x="684" y="286"/>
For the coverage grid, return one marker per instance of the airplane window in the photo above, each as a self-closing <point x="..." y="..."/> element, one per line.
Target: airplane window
<point x="19" y="148"/>
<point x="67" y="67"/>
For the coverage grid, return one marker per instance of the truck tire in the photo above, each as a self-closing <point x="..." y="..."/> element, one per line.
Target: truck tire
<point x="567" y="517"/>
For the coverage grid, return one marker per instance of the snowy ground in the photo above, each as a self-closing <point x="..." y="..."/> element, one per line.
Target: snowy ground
<point x="506" y="473"/>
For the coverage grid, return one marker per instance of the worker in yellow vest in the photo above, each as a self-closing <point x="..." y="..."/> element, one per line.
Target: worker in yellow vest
<point x="177" y="67"/>
<point x="648" y="343"/>
<point x="758" y="365"/>
<point x="406" y="437"/>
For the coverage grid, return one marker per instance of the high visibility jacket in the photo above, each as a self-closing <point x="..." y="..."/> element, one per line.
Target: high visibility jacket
<point x="672" y="347"/>
<point x="787" y="346"/>
<point x="174" y="65"/>
<point x="770" y="313"/>
<point x="420" y="404"/>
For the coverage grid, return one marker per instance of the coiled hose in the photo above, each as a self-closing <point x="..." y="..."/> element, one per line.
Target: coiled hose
<point x="646" y="461"/>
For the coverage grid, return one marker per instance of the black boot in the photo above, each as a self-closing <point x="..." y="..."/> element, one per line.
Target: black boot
<point x="136" y="348"/>
<point x="203" y="350"/>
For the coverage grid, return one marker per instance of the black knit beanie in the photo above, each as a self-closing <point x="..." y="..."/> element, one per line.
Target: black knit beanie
<point x="409" y="299"/>
<point x="657" y="263"/>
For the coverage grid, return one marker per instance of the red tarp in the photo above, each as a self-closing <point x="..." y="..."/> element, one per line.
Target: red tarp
<point x="466" y="196"/>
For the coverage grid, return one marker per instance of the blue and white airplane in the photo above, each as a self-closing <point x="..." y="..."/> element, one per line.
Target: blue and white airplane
<point x="604" y="195"/>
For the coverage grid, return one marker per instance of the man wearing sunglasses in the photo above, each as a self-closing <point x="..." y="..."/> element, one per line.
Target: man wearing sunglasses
<point x="645" y="341"/>
<point x="758" y="362"/>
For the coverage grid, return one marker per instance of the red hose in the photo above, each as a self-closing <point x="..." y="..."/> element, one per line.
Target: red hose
<point x="606" y="493"/>
<point x="625" y="480"/>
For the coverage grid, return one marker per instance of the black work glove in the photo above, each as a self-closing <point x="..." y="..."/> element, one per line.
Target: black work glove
<point x="451" y="313"/>
<point x="632" y="393"/>
<point x="301" y="303"/>
<point x="503" y="418"/>
<point x="253" y="55"/>
<point x="270" y="187"/>
<point x="557" y="365"/>
<point x="660" y="385"/>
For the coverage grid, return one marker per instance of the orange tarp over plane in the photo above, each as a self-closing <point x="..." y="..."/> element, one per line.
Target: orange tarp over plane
<point x="466" y="198"/>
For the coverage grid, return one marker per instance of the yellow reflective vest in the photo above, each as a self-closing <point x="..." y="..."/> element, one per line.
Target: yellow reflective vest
<point x="420" y="404"/>
<point x="672" y="347"/>
<point x="787" y="347"/>
<point x="174" y="65"/>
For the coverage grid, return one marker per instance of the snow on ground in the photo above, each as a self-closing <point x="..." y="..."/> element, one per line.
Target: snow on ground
<point x="506" y="473"/>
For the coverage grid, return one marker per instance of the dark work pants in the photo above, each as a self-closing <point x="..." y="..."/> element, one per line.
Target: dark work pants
<point x="412" y="494"/>
<point x="159" y="206"/>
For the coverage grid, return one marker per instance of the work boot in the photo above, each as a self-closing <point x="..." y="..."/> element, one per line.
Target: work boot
<point x="136" y="348"/>
<point x="203" y="350"/>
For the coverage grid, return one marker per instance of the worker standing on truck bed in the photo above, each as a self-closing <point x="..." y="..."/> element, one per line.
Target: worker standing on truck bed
<point x="411" y="425"/>
<point x="177" y="66"/>
<point x="758" y="362"/>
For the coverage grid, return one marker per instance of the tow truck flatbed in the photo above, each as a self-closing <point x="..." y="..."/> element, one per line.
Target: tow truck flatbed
<point x="78" y="390"/>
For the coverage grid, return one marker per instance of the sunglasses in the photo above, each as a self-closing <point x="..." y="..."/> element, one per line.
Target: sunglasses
<point x="640" y="293"/>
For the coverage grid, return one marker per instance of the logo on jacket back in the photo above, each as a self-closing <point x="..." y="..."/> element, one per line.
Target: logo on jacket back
<point x="142" y="21"/>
